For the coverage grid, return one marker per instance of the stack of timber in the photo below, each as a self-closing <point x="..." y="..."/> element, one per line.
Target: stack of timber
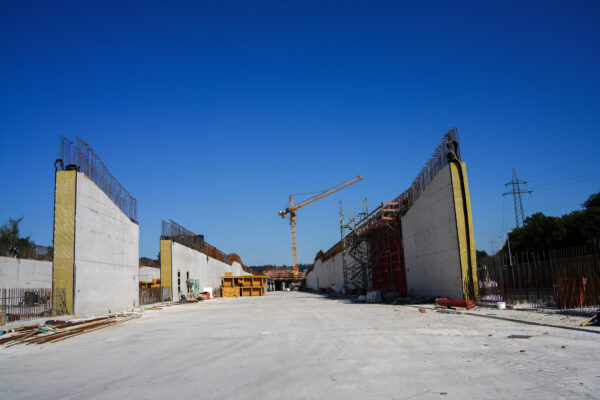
<point x="236" y="286"/>
<point x="59" y="330"/>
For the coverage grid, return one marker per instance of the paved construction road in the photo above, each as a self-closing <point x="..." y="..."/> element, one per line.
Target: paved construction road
<point x="290" y="345"/>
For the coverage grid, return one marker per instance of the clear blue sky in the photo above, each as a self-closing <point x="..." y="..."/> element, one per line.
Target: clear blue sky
<point x="212" y="115"/>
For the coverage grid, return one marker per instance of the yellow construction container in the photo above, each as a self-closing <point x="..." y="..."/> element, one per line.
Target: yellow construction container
<point x="234" y="286"/>
<point x="228" y="281"/>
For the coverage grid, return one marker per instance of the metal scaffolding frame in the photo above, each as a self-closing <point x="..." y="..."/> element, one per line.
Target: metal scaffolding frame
<point x="358" y="271"/>
<point x="356" y="228"/>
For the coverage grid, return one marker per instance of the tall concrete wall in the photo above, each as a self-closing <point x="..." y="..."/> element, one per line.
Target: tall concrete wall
<point x="25" y="274"/>
<point x="434" y="232"/>
<point x="326" y="273"/>
<point x="437" y="238"/>
<point x="180" y="263"/>
<point x="96" y="249"/>
<point x="147" y="274"/>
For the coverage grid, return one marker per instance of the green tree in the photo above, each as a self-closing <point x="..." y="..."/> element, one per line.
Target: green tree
<point x="10" y="233"/>
<point x="592" y="202"/>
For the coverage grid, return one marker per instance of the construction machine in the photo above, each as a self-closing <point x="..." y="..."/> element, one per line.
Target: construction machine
<point x="291" y="210"/>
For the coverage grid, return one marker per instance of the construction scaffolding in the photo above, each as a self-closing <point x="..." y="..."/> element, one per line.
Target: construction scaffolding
<point x="372" y="242"/>
<point x="357" y="270"/>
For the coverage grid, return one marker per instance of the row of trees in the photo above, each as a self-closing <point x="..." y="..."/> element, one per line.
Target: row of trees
<point x="540" y="232"/>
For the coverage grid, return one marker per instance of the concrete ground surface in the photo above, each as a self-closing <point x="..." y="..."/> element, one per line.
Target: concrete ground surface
<point x="291" y="345"/>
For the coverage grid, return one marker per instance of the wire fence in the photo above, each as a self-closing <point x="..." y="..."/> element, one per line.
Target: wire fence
<point x="177" y="233"/>
<point x="17" y="304"/>
<point x="565" y="278"/>
<point x="79" y="156"/>
<point x="26" y="251"/>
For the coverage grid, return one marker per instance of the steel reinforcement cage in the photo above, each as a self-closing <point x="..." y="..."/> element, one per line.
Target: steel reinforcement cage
<point x="79" y="156"/>
<point x="449" y="147"/>
<point x="177" y="233"/>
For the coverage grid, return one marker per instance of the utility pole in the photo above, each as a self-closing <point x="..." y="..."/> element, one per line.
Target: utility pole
<point x="516" y="193"/>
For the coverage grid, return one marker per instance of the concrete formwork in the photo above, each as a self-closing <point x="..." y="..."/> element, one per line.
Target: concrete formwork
<point x="25" y="274"/>
<point x="96" y="257"/>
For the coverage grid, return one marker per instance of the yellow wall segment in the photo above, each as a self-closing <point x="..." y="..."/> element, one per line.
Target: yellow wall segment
<point x="166" y="273"/>
<point x="464" y="226"/>
<point x="64" y="242"/>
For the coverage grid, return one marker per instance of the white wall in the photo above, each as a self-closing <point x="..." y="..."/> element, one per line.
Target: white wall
<point x="326" y="273"/>
<point x="106" y="253"/>
<point x="331" y="271"/>
<point x="206" y="269"/>
<point x="147" y="274"/>
<point x="25" y="274"/>
<point x="430" y="242"/>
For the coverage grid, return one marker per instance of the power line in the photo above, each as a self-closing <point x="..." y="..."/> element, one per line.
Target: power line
<point x="567" y="184"/>
<point x="566" y="180"/>
<point x="565" y="167"/>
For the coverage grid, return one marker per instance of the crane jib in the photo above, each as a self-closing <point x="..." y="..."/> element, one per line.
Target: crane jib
<point x="292" y="211"/>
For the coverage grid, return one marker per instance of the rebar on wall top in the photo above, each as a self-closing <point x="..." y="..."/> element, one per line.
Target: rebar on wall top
<point x="79" y="156"/>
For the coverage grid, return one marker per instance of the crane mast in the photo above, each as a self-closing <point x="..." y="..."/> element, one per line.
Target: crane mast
<point x="291" y="210"/>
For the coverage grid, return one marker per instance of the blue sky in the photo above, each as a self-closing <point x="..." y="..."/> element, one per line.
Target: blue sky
<point x="211" y="115"/>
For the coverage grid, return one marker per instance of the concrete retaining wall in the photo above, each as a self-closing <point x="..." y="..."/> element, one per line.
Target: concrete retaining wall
<point x="438" y="242"/>
<point x="25" y="274"/>
<point x="326" y="273"/>
<point x="147" y="274"/>
<point x="187" y="263"/>
<point x="434" y="235"/>
<point x="96" y="257"/>
<point x="106" y="253"/>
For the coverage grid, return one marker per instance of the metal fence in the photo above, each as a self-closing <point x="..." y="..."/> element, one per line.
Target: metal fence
<point x="79" y="155"/>
<point x="566" y="278"/>
<point x="177" y="233"/>
<point x="151" y="295"/>
<point x="31" y="251"/>
<point x="28" y="304"/>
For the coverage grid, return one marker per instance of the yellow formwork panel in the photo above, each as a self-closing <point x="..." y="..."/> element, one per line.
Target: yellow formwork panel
<point x="464" y="226"/>
<point x="64" y="242"/>
<point x="166" y="265"/>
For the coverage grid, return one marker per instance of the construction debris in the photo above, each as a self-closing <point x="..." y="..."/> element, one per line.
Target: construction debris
<point x="589" y="320"/>
<point x="468" y="304"/>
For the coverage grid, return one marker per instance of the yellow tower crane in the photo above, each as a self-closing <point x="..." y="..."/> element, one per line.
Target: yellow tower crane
<point x="291" y="210"/>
